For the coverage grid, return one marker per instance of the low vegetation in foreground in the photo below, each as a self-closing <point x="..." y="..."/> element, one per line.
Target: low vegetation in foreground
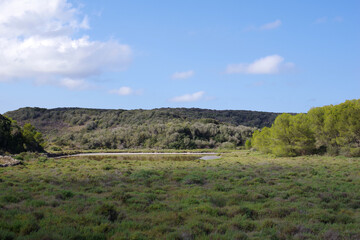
<point x="243" y="195"/>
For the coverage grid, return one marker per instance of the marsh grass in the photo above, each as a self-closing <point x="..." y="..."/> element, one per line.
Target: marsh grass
<point x="243" y="195"/>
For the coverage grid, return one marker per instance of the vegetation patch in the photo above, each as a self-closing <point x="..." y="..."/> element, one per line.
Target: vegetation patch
<point x="334" y="130"/>
<point x="243" y="195"/>
<point x="16" y="139"/>
<point x="168" y="128"/>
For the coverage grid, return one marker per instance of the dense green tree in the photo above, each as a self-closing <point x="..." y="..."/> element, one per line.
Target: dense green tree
<point x="5" y="132"/>
<point x="33" y="140"/>
<point x="334" y="129"/>
<point x="262" y="140"/>
<point x="248" y="144"/>
<point x="14" y="139"/>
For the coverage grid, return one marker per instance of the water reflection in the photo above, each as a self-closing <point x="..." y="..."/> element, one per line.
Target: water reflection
<point x="145" y="157"/>
<point x="209" y="157"/>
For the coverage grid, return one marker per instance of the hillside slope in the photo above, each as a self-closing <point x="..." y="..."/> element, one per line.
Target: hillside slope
<point x="80" y="128"/>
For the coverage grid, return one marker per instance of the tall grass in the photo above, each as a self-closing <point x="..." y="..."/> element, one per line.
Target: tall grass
<point x="243" y="195"/>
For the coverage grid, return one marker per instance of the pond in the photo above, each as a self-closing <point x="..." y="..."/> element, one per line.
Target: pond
<point x="209" y="157"/>
<point x="144" y="157"/>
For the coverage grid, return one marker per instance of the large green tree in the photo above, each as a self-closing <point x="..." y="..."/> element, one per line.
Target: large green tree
<point x="5" y="132"/>
<point x="334" y="129"/>
<point x="15" y="139"/>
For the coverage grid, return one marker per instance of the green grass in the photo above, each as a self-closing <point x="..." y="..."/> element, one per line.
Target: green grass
<point x="243" y="195"/>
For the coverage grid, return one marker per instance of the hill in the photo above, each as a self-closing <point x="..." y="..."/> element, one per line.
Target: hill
<point x="81" y="128"/>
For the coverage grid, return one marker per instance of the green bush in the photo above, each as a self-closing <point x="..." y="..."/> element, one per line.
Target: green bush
<point x="194" y="179"/>
<point x="64" y="195"/>
<point x="108" y="211"/>
<point x="29" y="227"/>
<point x="248" y="144"/>
<point x="15" y="139"/>
<point x="227" y="145"/>
<point x="10" y="199"/>
<point x="335" y="129"/>
<point x="6" y="235"/>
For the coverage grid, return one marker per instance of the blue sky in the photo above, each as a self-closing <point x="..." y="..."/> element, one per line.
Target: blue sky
<point x="281" y="56"/>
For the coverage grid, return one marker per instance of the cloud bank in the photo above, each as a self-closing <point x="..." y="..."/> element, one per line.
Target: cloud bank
<point x="189" y="97"/>
<point x="37" y="43"/>
<point x="267" y="65"/>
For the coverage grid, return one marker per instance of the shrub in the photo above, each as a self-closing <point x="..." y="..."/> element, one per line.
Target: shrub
<point x="6" y="235"/>
<point x="29" y="227"/>
<point x="56" y="148"/>
<point x="108" y="167"/>
<point x="64" y="195"/>
<point x="108" y="211"/>
<point x="194" y="179"/>
<point x="218" y="200"/>
<point x="241" y="223"/>
<point x="228" y="145"/>
<point x="10" y="199"/>
<point x="248" y="144"/>
<point x="144" y="174"/>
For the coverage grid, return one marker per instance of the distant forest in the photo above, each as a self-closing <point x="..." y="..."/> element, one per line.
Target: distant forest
<point x="334" y="130"/>
<point x="164" y="128"/>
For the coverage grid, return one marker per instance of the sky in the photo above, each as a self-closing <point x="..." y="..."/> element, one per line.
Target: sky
<point x="278" y="56"/>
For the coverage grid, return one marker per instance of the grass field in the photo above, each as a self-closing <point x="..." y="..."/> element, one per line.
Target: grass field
<point x="243" y="195"/>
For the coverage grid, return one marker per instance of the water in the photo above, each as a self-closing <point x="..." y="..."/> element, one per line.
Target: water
<point x="209" y="157"/>
<point x="144" y="157"/>
<point x="149" y="157"/>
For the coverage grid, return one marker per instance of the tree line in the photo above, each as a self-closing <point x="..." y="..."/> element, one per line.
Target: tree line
<point x="95" y="133"/>
<point x="165" y="128"/>
<point x="175" y="134"/>
<point x="332" y="129"/>
<point x="43" y="118"/>
<point x="16" y="139"/>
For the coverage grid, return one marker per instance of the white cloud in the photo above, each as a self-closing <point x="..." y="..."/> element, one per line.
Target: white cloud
<point x="36" y="42"/>
<point x="338" y="19"/>
<point x="74" y="84"/>
<point x="321" y="20"/>
<point x="267" y="65"/>
<point x="125" y="91"/>
<point x="267" y="26"/>
<point x="325" y="19"/>
<point x="183" y="75"/>
<point x="69" y="83"/>
<point x="271" y="25"/>
<point x="189" y="97"/>
<point x="37" y="17"/>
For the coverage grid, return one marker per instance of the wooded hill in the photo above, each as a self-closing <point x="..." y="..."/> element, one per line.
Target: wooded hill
<point x="178" y="128"/>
